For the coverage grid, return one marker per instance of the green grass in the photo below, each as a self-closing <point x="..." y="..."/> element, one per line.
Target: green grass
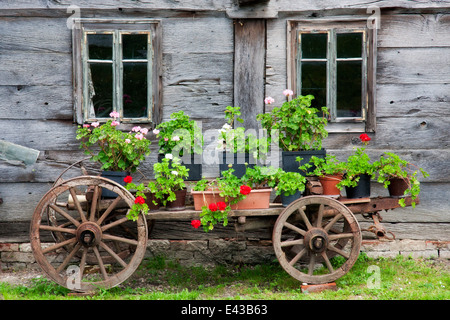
<point x="157" y="279"/>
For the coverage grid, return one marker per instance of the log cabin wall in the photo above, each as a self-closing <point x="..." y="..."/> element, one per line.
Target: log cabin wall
<point x="200" y="47"/>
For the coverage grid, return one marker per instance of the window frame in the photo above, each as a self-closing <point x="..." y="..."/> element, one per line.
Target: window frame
<point x="116" y="27"/>
<point x="367" y="121"/>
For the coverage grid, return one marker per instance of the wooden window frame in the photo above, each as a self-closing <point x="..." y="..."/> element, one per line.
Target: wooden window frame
<point x="117" y="27"/>
<point x="365" y="123"/>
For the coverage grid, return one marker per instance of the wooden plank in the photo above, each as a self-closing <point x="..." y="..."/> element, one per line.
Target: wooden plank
<point x="249" y="60"/>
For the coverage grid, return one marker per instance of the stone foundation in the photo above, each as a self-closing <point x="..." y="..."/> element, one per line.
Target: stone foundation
<point x="16" y="256"/>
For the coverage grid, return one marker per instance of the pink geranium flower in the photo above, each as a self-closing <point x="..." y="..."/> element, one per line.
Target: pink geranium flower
<point x="269" y="100"/>
<point x="115" y="123"/>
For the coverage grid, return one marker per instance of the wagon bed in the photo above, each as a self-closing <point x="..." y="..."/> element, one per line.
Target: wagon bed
<point x="84" y="241"/>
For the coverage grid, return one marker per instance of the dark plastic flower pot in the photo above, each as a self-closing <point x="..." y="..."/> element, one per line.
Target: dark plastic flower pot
<point x="237" y="161"/>
<point x="194" y="166"/>
<point x="179" y="203"/>
<point x="362" y="189"/>
<point x="116" y="176"/>
<point x="287" y="200"/>
<point x="289" y="164"/>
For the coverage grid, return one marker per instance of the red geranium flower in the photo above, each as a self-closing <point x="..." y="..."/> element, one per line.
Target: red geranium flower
<point x="213" y="207"/>
<point x="139" y="200"/>
<point x="128" y="179"/>
<point x="196" y="223"/>
<point x="245" y="190"/>
<point x="221" y="205"/>
<point x="364" y="137"/>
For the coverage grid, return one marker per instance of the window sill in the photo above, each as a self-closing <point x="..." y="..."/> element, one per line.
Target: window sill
<point x="346" y="127"/>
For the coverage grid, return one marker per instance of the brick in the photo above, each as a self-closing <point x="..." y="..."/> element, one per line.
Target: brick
<point x="308" y="288"/>
<point x="17" y="257"/>
<point x="5" y="247"/>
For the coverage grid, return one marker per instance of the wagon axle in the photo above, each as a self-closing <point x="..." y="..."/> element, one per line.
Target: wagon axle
<point x="89" y="234"/>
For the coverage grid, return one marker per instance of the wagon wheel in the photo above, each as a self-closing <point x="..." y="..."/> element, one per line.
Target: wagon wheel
<point x="92" y="254"/>
<point x="314" y="230"/>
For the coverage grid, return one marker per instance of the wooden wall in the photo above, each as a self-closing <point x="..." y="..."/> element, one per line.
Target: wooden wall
<point x="413" y="88"/>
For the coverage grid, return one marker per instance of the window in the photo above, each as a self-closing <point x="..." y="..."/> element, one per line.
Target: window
<point x="335" y="63"/>
<point x="116" y="69"/>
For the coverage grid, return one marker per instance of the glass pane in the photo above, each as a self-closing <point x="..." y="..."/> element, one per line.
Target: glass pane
<point x="101" y="88"/>
<point x="349" y="45"/>
<point x="135" y="90"/>
<point x="349" y="92"/>
<point x="100" y="46"/>
<point x="314" y="81"/>
<point x="314" y="45"/>
<point x="134" y="46"/>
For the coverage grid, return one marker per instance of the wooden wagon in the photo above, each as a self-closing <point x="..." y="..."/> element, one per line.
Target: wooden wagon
<point x="84" y="242"/>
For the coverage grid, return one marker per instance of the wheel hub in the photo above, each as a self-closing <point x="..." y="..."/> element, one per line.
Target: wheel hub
<point x="89" y="234"/>
<point x="316" y="240"/>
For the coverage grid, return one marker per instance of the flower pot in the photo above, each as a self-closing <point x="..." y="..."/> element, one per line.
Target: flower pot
<point x="329" y="183"/>
<point x="256" y="199"/>
<point x="398" y="186"/>
<point x="179" y="203"/>
<point x="237" y="161"/>
<point x="289" y="164"/>
<point x="149" y="201"/>
<point x="116" y="176"/>
<point x="362" y="190"/>
<point x="287" y="200"/>
<point x="194" y="164"/>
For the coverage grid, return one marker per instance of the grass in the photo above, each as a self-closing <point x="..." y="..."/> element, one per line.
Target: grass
<point x="400" y="278"/>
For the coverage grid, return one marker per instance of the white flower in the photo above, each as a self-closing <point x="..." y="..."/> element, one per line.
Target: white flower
<point x="226" y="126"/>
<point x="169" y="156"/>
<point x="155" y="131"/>
<point x="288" y="92"/>
<point x="175" y="173"/>
<point x="127" y="140"/>
<point x="175" y="138"/>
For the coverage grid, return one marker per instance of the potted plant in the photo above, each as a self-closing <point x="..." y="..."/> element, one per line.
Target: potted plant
<point x="399" y="177"/>
<point x="290" y="186"/>
<point x="182" y="137"/>
<point x="238" y="149"/>
<point x="358" y="172"/>
<point x="300" y="129"/>
<point x="119" y="153"/>
<point x="329" y="171"/>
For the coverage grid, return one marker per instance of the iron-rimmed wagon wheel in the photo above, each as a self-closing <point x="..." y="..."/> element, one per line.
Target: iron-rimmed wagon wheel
<point x="313" y="230"/>
<point x="94" y="252"/>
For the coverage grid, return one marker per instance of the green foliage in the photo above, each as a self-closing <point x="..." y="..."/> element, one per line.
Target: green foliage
<point x="288" y="183"/>
<point x="299" y="125"/>
<point x="391" y="166"/>
<point x="357" y="164"/>
<point x="118" y="151"/>
<point x="179" y="134"/>
<point x="329" y="165"/>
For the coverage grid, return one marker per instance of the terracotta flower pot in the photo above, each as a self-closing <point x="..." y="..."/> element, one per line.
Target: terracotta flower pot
<point x="397" y="187"/>
<point x="329" y="183"/>
<point x="256" y="199"/>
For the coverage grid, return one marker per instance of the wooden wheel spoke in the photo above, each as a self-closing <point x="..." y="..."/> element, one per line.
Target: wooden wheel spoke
<point x="83" y="262"/>
<point x="297" y="257"/>
<point x="94" y="203"/>
<point x="339" y="251"/>
<point x="120" y="239"/>
<point x="327" y="262"/>
<point x="58" y="229"/>
<point x="59" y="245"/>
<point x="332" y="222"/>
<point x="77" y="204"/>
<point x="305" y="218"/>
<point x="320" y="216"/>
<point x="289" y="243"/>
<point x="113" y="254"/>
<point x="100" y="263"/>
<point x="294" y="228"/>
<point x="109" y="210"/>
<point x="312" y="262"/>
<point x="69" y="257"/>
<point x="115" y="223"/>
<point x="64" y="214"/>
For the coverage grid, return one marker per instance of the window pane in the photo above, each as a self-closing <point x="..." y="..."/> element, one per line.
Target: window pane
<point x="134" y="46"/>
<point x="348" y="96"/>
<point x="349" y="45"/>
<point x="100" y="88"/>
<point x="100" y="46"/>
<point x="135" y="90"/>
<point x="314" y="81"/>
<point x="314" y="45"/>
